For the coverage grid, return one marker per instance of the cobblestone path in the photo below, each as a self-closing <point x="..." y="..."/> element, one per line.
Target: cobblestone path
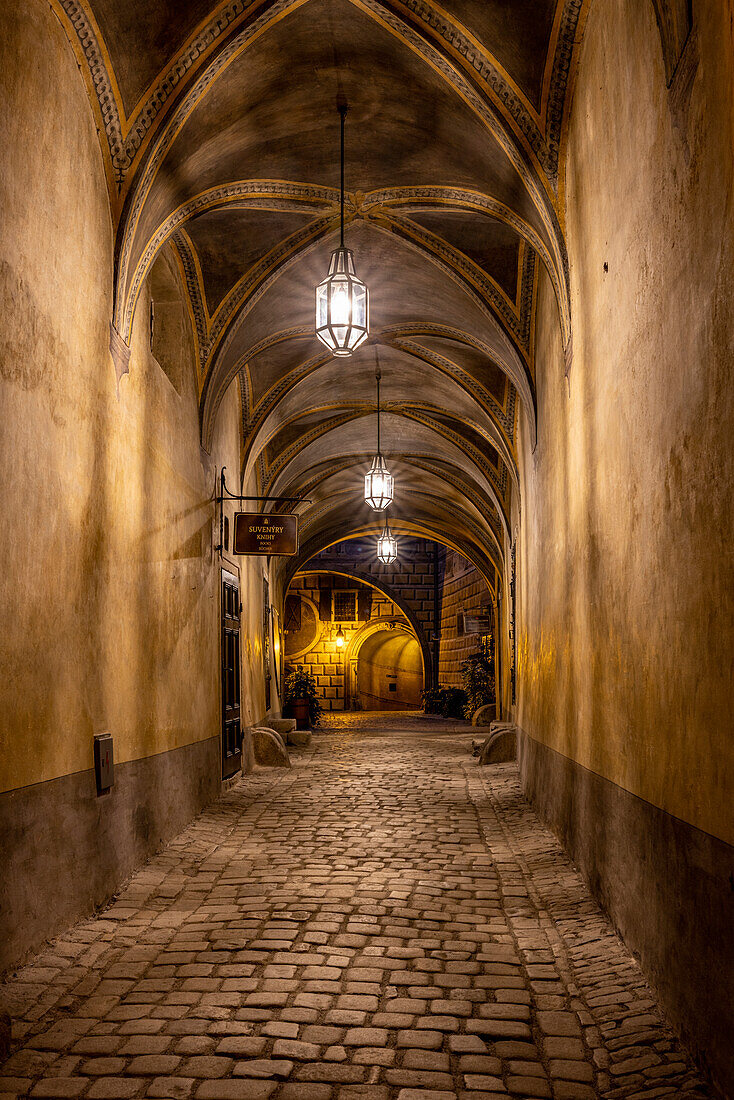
<point x="386" y="920"/>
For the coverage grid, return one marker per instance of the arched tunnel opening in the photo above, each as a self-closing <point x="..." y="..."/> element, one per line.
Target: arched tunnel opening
<point x="374" y="637"/>
<point x="388" y="670"/>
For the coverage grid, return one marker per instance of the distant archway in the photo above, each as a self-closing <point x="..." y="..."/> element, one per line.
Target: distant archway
<point x="384" y="667"/>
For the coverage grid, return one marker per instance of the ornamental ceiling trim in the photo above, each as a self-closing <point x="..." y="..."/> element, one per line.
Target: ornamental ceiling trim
<point x="464" y="272"/>
<point x="253" y="194"/>
<point x="405" y="409"/>
<point x="126" y="137"/>
<point x="484" y="503"/>
<point x="427" y="197"/>
<point x="536" y="190"/>
<point x="503" y="417"/>
<point x="498" y="481"/>
<point x="196" y="303"/>
<point x="498" y="478"/>
<point x="216" y="381"/>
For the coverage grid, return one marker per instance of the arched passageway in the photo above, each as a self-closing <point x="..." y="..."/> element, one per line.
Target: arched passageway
<point x="538" y="196"/>
<point x="388" y="669"/>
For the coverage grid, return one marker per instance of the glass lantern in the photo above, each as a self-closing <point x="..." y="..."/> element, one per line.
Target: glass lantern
<point x="378" y="485"/>
<point x="342" y="306"/>
<point x="387" y="547"/>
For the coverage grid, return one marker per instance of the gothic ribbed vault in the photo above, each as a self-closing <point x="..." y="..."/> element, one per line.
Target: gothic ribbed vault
<point x="220" y="138"/>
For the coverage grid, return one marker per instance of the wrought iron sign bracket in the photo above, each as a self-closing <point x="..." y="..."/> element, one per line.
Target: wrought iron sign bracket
<point x="224" y="494"/>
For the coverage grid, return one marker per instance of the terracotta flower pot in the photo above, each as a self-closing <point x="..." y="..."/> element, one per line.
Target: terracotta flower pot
<point x="299" y="708"/>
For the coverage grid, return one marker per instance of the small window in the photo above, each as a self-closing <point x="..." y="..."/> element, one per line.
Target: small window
<point x="344" y="605"/>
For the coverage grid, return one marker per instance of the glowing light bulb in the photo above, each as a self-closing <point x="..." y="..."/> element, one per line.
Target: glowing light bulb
<point x="340" y="306"/>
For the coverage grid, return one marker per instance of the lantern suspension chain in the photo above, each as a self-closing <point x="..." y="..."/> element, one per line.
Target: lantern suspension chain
<point x="343" y="115"/>
<point x="378" y="376"/>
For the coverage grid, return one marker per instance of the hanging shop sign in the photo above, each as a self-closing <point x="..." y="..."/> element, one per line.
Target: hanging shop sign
<point x="473" y="624"/>
<point x="259" y="534"/>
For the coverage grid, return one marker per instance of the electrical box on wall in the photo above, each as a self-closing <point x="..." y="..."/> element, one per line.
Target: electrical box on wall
<point x="103" y="762"/>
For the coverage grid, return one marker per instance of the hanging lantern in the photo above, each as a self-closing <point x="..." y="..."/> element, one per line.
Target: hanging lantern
<point x="378" y="483"/>
<point x="387" y="546"/>
<point x="342" y="300"/>
<point x="340" y="638"/>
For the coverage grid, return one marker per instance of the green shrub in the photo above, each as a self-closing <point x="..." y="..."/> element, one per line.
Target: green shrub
<point x="431" y="700"/>
<point x="449" y="702"/>
<point x="300" y="684"/>
<point x="477" y="672"/>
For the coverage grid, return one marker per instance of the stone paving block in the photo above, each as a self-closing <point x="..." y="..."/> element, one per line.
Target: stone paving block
<point x="330" y="1071"/>
<point x="297" y="1090"/>
<point x="477" y="1081"/>
<point x="207" y="1065"/>
<point x="236" y="1089"/>
<point x="277" y="1068"/>
<point x="571" y="1070"/>
<point x="416" y="1078"/>
<point x="171" y="1088"/>
<point x="559" y="1023"/>
<point x="116" y="1088"/>
<point x="296" y="1049"/>
<point x="528" y="1087"/>
<point x="426" y="1094"/>
<point x="60" y="1086"/>
<point x="363" y="1092"/>
<point x="571" y="1090"/>
<point x="392" y="934"/>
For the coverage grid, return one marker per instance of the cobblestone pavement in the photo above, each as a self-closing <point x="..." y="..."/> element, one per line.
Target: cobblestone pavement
<point x="386" y="920"/>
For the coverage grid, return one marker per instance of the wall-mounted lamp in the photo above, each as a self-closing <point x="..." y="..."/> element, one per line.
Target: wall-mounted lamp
<point x="340" y="638"/>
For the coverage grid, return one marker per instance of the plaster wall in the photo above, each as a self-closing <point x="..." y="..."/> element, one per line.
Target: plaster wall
<point x="109" y="593"/>
<point x="625" y="570"/>
<point x="390" y="672"/>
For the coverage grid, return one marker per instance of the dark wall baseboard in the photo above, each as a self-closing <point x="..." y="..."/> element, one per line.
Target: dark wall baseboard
<point x="65" y="850"/>
<point x="668" y="887"/>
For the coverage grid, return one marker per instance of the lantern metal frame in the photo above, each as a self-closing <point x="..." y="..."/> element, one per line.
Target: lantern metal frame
<point x="387" y="545"/>
<point x="379" y="483"/>
<point x="342" y="299"/>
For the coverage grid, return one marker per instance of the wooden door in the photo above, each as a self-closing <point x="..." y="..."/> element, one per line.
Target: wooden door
<point x="231" y="728"/>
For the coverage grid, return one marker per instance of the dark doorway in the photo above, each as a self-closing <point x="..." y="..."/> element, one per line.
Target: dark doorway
<point x="231" y="729"/>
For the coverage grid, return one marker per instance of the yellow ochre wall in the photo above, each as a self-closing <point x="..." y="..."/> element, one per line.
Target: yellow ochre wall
<point x="109" y="589"/>
<point x="625" y="566"/>
<point x="625" y="554"/>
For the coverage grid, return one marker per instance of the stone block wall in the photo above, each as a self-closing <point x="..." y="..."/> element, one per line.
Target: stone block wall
<point x="463" y="589"/>
<point x="410" y="578"/>
<point x="324" y="660"/>
<point x="430" y="586"/>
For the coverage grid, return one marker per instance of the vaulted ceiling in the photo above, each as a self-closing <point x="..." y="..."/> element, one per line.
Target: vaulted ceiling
<point x="221" y="140"/>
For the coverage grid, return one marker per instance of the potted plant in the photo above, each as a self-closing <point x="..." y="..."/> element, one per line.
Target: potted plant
<point x="301" y="698"/>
